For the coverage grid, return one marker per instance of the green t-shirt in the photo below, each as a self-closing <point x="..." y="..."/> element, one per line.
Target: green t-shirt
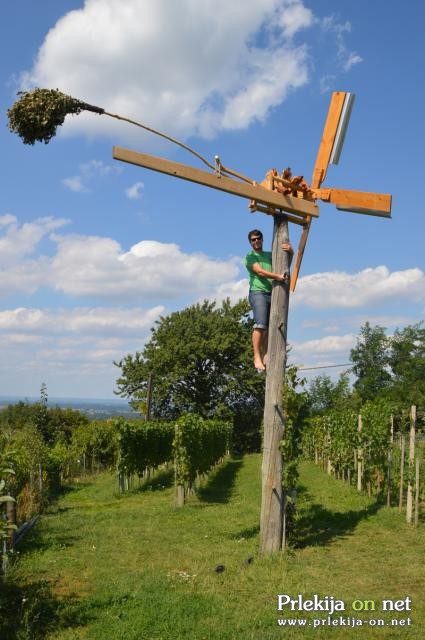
<point x="264" y="259"/>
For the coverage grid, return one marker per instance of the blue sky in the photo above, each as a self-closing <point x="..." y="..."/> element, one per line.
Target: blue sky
<point x="92" y="251"/>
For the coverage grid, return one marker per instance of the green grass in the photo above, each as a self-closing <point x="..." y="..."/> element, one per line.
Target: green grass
<point x="134" y="567"/>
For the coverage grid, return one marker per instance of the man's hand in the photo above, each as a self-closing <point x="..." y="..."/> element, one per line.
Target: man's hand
<point x="286" y="246"/>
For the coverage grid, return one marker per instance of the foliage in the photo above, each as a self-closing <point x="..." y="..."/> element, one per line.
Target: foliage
<point x="407" y="362"/>
<point x="198" y="445"/>
<point x="54" y="423"/>
<point x="201" y="363"/>
<point x="296" y="409"/>
<point x="374" y="439"/>
<point x="143" y="444"/>
<point x="6" y="472"/>
<point x="38" y="113"/>
<point x="324" y="394"/>
<point x="370" y="362"/>
<point x="334" y="436"/>
<point x="98" y="440"/>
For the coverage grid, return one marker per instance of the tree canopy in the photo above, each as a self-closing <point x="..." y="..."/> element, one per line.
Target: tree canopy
<point x="407" y="361"/>
<point x="201" y="362"/>
<point x="325" y="394"/>
<point x="370" y="362"/>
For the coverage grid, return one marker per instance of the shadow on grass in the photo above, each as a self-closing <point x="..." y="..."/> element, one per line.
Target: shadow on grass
<point x="220" y="485"/>
<point x="29" y="612"/>
<point x="319" y="526"/>
<point x="161" y="480"/>
<point x="245" y="534"/>
<point x="36" y="540"/>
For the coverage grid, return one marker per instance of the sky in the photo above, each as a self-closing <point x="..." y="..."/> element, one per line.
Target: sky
<point x="93" y="251"/>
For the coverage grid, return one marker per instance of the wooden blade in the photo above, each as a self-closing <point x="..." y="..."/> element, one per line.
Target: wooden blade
<point x="328" y="138"/>
<point x="299" y="256"/>
<point x="287" y="203"/>
<point x="375" y="204"/>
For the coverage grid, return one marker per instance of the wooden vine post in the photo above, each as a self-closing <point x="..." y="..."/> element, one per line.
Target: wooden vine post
<point x="417" y="488"/>
<point x="287" y="199"/>
<point x="412" y="436"/>
<point x="402" y="453"/>
<point x="360" y="461"/>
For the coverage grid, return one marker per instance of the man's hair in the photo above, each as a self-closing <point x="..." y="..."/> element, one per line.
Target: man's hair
<point x="254" y="232"/>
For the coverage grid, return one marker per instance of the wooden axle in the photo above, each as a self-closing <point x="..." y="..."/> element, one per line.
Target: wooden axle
<point x="273" y="211"/>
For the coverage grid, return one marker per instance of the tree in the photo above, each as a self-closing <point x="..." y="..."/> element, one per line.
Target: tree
<point x="201" y="362"/>
<point x="407" y="362"/>
<point x="370" y="360"/>
<point x="324" y="394"/>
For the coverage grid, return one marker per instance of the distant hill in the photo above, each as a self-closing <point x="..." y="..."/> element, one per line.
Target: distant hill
<point x="92" y="407"/>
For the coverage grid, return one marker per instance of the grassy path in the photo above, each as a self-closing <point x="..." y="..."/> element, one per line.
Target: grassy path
<point x="135" y="568"/>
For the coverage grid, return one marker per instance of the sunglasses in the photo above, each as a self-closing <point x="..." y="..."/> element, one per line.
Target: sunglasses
<point x="255" y="239"/>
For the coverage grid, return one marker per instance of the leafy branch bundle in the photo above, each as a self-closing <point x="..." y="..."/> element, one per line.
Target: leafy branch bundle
<point x="38" y="113"/>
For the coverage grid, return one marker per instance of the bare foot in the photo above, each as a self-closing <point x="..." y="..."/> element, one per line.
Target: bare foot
<point x="259" y="365"/>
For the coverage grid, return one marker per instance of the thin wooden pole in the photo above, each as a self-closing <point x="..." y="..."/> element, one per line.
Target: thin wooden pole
<point x="389" y="463"/>
<point x="149" y="397"/>
<point x="409" y="502"/>
<point x="417" y="492"/>
<point x="402" y="448"/>
<point x="359" y="457"/>
<point x="11" y="518"/>
<point x="272" y="507"/>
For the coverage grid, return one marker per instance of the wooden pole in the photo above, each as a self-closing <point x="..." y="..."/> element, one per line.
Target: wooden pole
<point x="11" y="518"/>
<point x="402" y="448"/>
<point x="409" y="502"/>
<point x="359" y="458"/>
<point x="389" y="463"/>
<point x="417" y="492"/>
<point x="149" y="397"/>
<point x="272" y="507"/>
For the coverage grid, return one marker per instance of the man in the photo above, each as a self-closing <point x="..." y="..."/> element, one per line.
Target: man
<point x="259" y="265"/>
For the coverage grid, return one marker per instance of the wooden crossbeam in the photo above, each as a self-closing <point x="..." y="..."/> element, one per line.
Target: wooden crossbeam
<point x="256" y="192"/>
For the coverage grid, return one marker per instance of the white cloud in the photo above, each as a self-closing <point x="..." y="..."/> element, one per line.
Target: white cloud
<point x="210" y="70"/>
<point x="368" y="287"/>
<point x="89" y="171"/>
<point x="19" y="241"/>
<point x="353" y="59"/>
<point x="347" y="59"/>
<point x="84" y="321"/>
<point x="272" y="75"/>
<point x="234" y="290"/>
<point x="330" y="350"/>
<point x="135" y="191"/>
<point x="65" y="346"/>
<point x="75" y="183"/>
<point x="295" y="17"/>
<point x="7" y="219"/>
<point x="93" y="266"/>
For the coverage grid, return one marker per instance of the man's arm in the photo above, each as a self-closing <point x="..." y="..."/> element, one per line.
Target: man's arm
<point x="286" y="246"/>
